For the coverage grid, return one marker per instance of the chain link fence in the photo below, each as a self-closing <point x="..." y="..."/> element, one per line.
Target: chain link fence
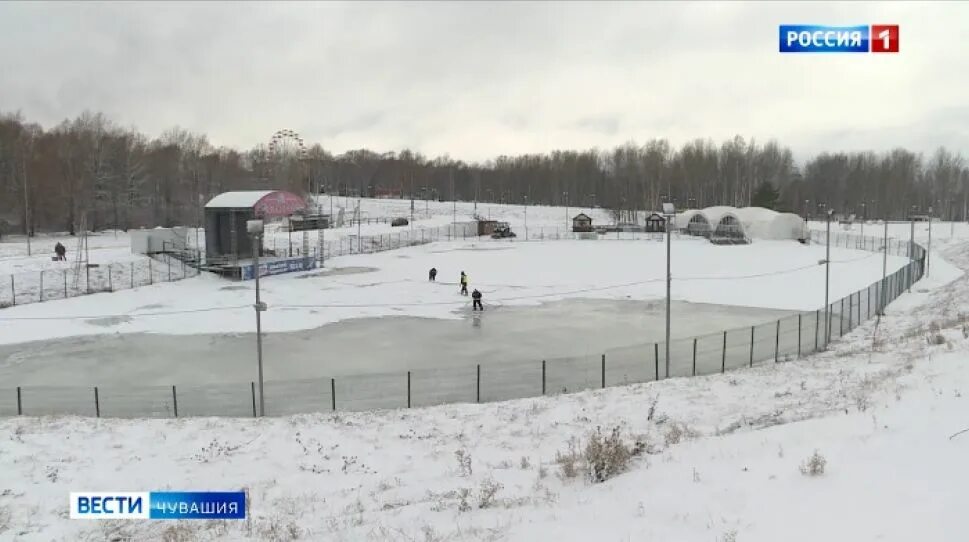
<point x="770" y="342"/>
<point x="50" y="284"/>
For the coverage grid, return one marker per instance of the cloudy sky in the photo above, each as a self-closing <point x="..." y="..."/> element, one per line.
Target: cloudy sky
<point x="475" y="80"/>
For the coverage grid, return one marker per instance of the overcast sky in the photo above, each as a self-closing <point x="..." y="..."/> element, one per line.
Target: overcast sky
<point x="475" y="80"/>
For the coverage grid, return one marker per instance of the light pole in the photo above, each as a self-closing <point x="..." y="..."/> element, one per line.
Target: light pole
<point x="928" y="249"/>
<point x="827" y="279"/>
<point x="526" y="217"/>
<point x="669" y="211"/>
<point x="884" y="268"/>
<point x="911" y="245"/>
<point x="864" y="216"/>
<point x="255" y="228"/>
<point x="27" y="228"/>
<point x="565" y="196"/>
<point x="454" y="200"/>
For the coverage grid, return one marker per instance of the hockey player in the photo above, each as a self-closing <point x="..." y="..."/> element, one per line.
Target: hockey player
<point x="476" y="304"/>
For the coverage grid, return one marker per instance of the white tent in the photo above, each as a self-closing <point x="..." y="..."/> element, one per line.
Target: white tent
<point x="733" y="225"/>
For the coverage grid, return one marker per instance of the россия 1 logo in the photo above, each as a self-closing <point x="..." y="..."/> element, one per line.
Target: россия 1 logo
<point x="800" y="38"/>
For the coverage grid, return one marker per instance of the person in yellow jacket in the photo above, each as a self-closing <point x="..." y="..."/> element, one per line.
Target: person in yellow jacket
<point x="464" y="284"/>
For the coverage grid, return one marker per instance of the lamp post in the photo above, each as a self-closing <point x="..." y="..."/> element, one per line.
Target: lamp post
<point x="884" y="268"/>
<point x="526" y="216"/>
<point x="864" y="217"/>
<point x="827" y="278"/>
<point x="669" y="211"/>
<point x="911" y="244"/>
<point x="565" y="197"/>
<point x="255" y="229"/>
<point x="928" y="249"/>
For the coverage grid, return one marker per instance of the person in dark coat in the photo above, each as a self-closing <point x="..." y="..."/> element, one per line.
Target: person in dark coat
<point x="464" y="284"/>
<point x="60" y="251"/>
<point x="476" y="304"/>
<point x="432" y="274"/>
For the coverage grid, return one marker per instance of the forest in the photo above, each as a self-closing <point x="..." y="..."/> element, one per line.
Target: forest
<point x="90" y="170"/>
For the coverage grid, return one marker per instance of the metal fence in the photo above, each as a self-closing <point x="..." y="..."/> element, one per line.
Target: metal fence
<point x="50" y="284"/>
<point x="770" y="342"/>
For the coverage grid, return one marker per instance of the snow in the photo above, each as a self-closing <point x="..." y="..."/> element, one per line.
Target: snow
<point x="885" y="419"/>
<point x="238" y="199"/>
<point x="395" y="283"/>
<point x="885" y="406"/>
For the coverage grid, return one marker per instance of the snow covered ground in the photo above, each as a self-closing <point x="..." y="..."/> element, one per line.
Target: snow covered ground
<point x="768" y="274"/>
<point x="721" y="458"/>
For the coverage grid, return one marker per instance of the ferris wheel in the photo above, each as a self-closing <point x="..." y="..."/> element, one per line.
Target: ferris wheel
<point x="287" y="144"/>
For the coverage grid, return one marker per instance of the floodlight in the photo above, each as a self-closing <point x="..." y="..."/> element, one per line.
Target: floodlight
<point x="669" y="209"/>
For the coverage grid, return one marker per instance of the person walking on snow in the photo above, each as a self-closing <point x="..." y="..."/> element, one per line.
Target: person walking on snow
<point x="476" y="304"/>
<point x="464" y="284"/>
<point x="60" y="252"/>
<point x="432" y="274"/>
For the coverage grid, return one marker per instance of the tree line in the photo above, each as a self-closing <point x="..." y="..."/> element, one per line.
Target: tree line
<point x="92" y="171"/>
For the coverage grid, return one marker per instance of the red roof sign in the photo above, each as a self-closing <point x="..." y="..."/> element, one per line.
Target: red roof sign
<point x="278" y="204"/>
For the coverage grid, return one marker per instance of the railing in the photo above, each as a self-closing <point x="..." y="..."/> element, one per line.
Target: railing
<point x="770" y="342"/>
<point x="50" y="284"/>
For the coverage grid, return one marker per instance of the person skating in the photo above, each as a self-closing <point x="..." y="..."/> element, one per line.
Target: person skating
<point x="464" y="284"/>
<point x="432" y="274"/>
<point x="476" y="304"/>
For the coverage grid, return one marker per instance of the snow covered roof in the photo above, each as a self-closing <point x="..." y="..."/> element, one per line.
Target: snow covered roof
<point x="237" y="200"/>
<point x="757" y="222"/>
<point x="264" y="203"/>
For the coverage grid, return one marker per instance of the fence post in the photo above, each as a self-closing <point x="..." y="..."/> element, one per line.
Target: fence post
<point x="858" y="304"/>
<point x="151" y="275"/>
<point x="132" y="275"/>
<point x="603" y="370"/>
<point x="110" y="280"/>
<point x="751" y="346"/>
<point x="175" y="400"/>
<point x="777" y="342"/>
<point x="694" y="356"/>
<point x="13" y="290"/>
<point x="65" y="284"/>
<point x="252" y="386"/>
<point x="41" y="285"/>
<point x="97" y="403"/>
<point x="477" y="387"/>
<point x="87" y="276"/>
<point x="20" y="404"/>
<point x="841" y="318"/>
<point x="333" y="394"/>
<point x="656" y="358"/>
<point x="169" y="261"/>
<point x="817" y="322"/>
<point x="543" y="377"/>
<point x="723" y="356"/>
<point x="798" y="334"/>
<point x="408" y="389"/>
